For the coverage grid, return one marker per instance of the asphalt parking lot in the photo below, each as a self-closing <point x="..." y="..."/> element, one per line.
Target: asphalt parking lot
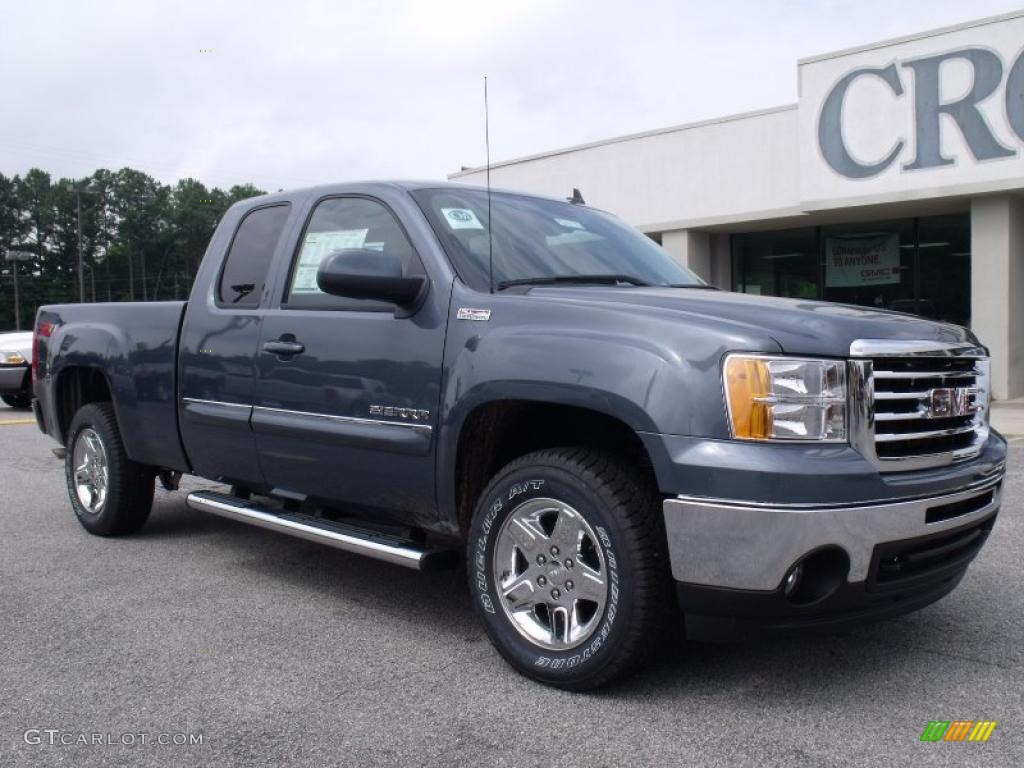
<point x="279" y="651"/>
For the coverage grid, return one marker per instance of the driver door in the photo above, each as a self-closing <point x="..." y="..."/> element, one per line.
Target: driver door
<point x="347" y="392"/>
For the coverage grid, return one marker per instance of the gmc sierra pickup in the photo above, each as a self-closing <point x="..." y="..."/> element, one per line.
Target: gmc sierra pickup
<point x="429" y="373"/>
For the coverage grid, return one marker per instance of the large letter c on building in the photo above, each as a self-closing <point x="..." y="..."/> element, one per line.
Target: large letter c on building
<point x="830" y="125"/>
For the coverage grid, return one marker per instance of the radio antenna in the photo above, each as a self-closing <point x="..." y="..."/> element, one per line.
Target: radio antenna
<point x="490" y="227"/>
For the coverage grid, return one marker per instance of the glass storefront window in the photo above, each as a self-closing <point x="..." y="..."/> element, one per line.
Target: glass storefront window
<point x="782" y="263"/>
<point x="944" y="253"/>
<point x="920" y="265"/>
<point x="870" y="264"/>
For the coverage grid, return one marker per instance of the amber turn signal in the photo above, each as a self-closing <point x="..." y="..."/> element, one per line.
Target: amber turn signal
<point x="748" y="385"/>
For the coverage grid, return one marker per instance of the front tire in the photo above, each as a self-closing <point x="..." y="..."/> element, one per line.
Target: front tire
<point x="567" y="566"/>
<point x="111" y="494"/>
<point x="22" y="400"/>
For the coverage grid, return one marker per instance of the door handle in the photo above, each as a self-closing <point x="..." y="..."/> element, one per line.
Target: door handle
<point x="284" y="347"/>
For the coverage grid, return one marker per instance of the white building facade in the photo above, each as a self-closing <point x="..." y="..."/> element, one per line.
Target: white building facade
<point x="896" y="181"/>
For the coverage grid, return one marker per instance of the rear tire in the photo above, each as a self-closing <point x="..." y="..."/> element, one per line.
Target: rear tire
<point x="22" y="400"/>
<point x="111" y="494"/>
<point x="549" y="530"/>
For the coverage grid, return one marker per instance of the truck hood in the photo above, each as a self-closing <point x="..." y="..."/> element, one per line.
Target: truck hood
<point x="798" y="326"/>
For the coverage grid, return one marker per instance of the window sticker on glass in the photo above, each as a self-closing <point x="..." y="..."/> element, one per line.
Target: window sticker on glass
<point x="317" y="247"/>
<point x="572" y="238"/>
<point x="461" y="218"/>
<point x="570" y="224"/>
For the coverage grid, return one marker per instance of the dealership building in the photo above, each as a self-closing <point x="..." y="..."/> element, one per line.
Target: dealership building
<point x="895" y="181"/>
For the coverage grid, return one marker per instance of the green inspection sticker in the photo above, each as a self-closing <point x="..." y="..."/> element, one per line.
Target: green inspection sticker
<point x="461" y="218"/>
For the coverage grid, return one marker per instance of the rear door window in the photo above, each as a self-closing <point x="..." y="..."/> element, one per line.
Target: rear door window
<point x="247" y="265"/>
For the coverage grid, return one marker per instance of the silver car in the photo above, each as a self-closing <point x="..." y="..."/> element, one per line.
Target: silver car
<point x="15" y="369"/>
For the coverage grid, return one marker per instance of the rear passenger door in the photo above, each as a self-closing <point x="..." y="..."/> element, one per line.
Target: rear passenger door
<point x="349" y="417"/>
<point x="218" y="348"/>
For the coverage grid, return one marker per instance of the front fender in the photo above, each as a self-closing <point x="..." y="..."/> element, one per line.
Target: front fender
<point x="648" y="370"/>
<point x="581" y="368"/>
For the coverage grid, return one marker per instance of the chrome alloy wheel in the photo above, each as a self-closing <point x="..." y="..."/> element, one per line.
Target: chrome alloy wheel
<point x="92" y="474"/>
<point x="550" y="574"/>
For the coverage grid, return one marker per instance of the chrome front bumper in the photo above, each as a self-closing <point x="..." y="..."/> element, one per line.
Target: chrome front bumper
<point x="13" y="379"/>
<point x="751" y="546"/>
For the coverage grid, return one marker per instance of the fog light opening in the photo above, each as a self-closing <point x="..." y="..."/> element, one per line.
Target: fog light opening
<point x="816" y="576"/>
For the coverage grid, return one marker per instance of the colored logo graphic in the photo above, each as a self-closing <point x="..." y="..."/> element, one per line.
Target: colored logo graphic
<point x="958" y="730"/>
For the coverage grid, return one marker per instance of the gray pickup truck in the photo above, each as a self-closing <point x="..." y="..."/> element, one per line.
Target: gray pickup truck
<point x="432" y="374"/>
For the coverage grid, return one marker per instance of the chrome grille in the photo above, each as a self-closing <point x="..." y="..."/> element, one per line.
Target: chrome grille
<point x="924" y="404"/>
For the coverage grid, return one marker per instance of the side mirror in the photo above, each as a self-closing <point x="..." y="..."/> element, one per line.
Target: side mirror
<point x="363" y="273"/>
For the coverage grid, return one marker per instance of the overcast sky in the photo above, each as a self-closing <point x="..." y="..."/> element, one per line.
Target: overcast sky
<point x="294" y="93"/>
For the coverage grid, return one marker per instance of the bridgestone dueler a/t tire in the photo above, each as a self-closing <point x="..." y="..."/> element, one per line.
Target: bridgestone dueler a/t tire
<point x="621" y="505"/>
<point x="129" y="486"/>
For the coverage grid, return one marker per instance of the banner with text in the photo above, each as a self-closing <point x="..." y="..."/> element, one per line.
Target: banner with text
<point x="851" y="262"/>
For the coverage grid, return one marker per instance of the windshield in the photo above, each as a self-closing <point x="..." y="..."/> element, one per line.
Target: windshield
<point x="536" y="238"/>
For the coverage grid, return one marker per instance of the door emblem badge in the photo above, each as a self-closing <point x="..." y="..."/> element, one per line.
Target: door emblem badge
<point x="468" y="313"/>
<point x="410" y="414"/>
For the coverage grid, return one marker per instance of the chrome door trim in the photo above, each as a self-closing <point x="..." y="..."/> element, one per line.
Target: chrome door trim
<point x="199" y="401"/>
<point x="313" y="414"/>
<point x="345" y="419"/>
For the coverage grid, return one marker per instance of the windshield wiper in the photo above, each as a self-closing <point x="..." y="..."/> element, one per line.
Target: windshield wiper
<point x="697" y="286"/>
<point x="555" y="279"/>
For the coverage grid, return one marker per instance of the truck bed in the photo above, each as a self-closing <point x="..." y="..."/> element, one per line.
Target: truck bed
<point x="135" y="346"/>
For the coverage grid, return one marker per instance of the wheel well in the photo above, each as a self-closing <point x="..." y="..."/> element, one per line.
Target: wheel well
<point x="77" y="387"/>
<point x="497" y="433"/>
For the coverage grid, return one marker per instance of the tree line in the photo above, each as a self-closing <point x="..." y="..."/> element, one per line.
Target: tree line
<point x="141" y="240"/>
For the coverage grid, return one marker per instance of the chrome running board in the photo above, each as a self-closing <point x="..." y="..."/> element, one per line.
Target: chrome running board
<point x="375" y="544"/>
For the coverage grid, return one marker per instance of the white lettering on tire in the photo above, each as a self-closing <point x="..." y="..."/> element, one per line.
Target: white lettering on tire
<point x="520" y="488"/>
<point x="480" y="557"/>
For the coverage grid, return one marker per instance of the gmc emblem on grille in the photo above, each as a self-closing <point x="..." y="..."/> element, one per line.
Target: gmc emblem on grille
<point x="953" y="401"/>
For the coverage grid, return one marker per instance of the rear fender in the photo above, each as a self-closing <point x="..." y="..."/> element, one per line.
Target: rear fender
<point x="141" y="380"/>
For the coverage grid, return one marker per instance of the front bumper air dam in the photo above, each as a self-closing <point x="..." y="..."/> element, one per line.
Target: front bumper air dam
<point x="13" y="379"/>
<point x="731" y="559"/>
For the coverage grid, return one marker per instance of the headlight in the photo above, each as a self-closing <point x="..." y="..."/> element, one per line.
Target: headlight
<point x="12" y="358"/>
<point x="786" y="398"/>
